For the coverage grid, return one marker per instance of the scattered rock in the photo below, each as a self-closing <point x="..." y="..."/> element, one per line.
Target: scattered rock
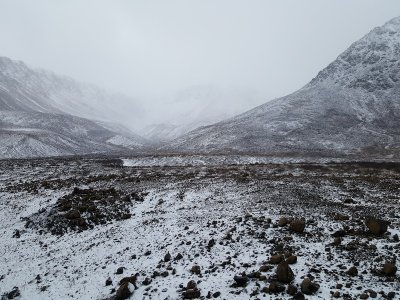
<point x="120" y="270"/>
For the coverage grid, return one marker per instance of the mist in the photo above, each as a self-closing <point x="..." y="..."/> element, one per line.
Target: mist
<point x="204" y="60"/>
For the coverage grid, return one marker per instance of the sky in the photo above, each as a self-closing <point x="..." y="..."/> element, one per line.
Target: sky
<point x="151" y="50"/>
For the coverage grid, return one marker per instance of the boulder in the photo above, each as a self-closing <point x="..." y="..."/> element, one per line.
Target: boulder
<point x="241" y="280"/>
<point x="297" y="226"/>
<point x="275" y="259"/>
<point x="191" y="294"/>
<point x="376" y="226"/>
<point x="389" y="269"/>
<point x="308" y="287"/>
<point x="276" y="287"/>
<point x="124" y="291"/>
<point x="284" y="272"/>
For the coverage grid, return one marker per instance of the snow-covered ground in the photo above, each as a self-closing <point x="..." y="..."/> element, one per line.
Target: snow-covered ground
<point x="221" y="217"/>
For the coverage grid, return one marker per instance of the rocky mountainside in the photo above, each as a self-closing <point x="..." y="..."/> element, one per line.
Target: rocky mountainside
<point x="26" y="89"/>
<point x="43" y="114"/>
<point x="352" y="105"/>
<point x="35" y="134"/>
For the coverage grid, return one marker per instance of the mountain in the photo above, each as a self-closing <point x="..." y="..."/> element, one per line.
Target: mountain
<point x="197" y="106"/>
<point x="351" y="106"/>
<point x="44" y="114"/>
<point x="26" y="89"/>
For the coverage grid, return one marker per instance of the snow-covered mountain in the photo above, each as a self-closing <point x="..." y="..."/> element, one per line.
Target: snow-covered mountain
<point x="43" y="114"/>
<point x="27" y="89"/>
<point x="352" y="105"/>
<point x="197" y="106"/>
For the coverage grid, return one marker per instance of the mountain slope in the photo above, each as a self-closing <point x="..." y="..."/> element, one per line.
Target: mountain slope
<point x="25" y="89"/>
<point x="35" y="134"/>
<point x="352" y="105"/>
<point x="43" y="114"/>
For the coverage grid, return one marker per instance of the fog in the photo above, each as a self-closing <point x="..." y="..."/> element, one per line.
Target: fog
<point x="155" y="51"/>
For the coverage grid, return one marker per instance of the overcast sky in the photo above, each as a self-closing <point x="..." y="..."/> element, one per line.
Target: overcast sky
<point x="147" y="48"/>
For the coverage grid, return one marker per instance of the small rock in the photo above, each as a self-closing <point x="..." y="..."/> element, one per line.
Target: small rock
<point x="195" y="270"/>
<point x="191" y="294"/>
<point x="178" y="256"/>
<point x="389" y="269"/>
<point x="282" y="222"/>
<point x="264" y="268"/>
<point x="241" y="280"/>
<point x="371" y="293"/>
<point x="108" y="281"/>
<point x="13" y="294"/>
<point x="352" y="271"/>
<point x="147" y="281"/>
<point x="132" y="279"/>
<point x="376" y="226"/>
<point x="298" y="296"/>
<point x="275" y="259"/>
<point x="284" y="272"/>
<point x="120" y="270"/>
<point x="339" y="233"/>
<point x="291" y="290"/>
<point x="167" y="257"/>
<point x="210" y="244"/>
<point x="123" y="292"/>
<point x="216" y="294"/>
<point x="337" y="241"/>
<point x="276" y="287"/>
<point x="191" y="285"/>
<point x="17" y="234"/>
<point x="297" y="226"/>
<point x="292" y="259"/>
<point x="308" y="287"/>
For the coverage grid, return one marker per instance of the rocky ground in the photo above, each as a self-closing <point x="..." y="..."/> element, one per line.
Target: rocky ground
<point x="92" y="228"/>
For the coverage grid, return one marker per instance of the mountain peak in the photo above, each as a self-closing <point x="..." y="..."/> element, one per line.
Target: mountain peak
<point x="370" y="64"/>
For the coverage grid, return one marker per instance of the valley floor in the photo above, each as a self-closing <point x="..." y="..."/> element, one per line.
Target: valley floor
<point x="75" y="228"/>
